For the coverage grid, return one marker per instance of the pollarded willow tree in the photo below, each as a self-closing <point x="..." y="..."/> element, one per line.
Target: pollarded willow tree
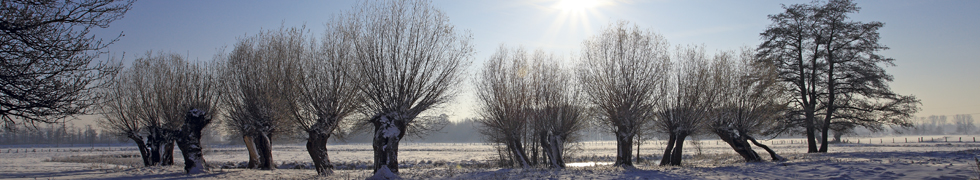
<point x="123" y="112"/>
<point x="410" y="59"/>
<point x="689" y="100"/>
<point x="503" y="88"/>
<point x="621" y="70"/>
<point x="325" y="96"/>
<point x="525" y="97"/>
<point x="751" y="101"/>
<point x="833" y="66"/>
<point x="558" y="111"/>
<point x="166" y="99"/>
<point x="260" y="80"/>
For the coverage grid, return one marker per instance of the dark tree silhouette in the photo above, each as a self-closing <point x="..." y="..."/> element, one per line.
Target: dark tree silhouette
<point x="410" y="60"/>
<point x="621" y="72"/>
<point x="47" y="55"/>
<point x="833" y="66"/>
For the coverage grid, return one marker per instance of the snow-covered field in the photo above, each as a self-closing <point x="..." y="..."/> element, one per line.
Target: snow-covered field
<point x="881" y="159"/>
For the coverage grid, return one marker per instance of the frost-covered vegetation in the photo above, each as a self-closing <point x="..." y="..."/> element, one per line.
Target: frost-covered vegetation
<point x="887" y="160"/>
<point x="380" y="71"/>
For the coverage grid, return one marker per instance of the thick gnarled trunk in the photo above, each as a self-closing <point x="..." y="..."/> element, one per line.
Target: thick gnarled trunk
<point x="161" y="147"/>
<point x="739" y="143"/>
<point x="317" y="147"/>
<point x="253" y="154"/>
<point x="518" y="153"/>
<point x="624" y="149"/>
<point x="388" y="132"/>
<point x="189" y="142"/>
<point x="678" y="152"/>
<point x="775" y="157"/>
<point x="665" y="160"/>
<point x="553" y="146"/>
<point x="263" y="145"/>
<point x="675" y="149"/>
<point x="144" y="151"/>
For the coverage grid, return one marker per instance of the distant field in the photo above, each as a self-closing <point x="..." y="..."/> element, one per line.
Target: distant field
<point x="944" y="157"/>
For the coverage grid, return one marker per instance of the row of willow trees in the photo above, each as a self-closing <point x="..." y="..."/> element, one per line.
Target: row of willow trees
<point x="815" y="71"/>
<point x="381" y="65"/>
<point x="630" y="80"/>
<point x="384" y="65"/>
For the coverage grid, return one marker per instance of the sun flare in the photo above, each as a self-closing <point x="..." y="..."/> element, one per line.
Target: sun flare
<point x="576" y="5"/>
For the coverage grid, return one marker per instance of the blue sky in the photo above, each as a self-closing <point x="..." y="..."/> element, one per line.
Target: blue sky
<point x="935" y="43"/>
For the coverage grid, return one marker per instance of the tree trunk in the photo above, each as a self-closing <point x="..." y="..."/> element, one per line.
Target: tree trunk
<point x="518" y="153"/>
<point x="624" y="146"/>
<point x="738" y="143"/>
<point x="253" y="155"/>
<point x="638" y="142"/>
<point x="823" y="135"/>
<point x="189" y="142"/>
<point x="811" y="139"/>
<point x="775" y="157"/>
<point x="168" y="154"/>
<point x="388" y="132"/>
<point x="144" y="152"/>
<point x="157" y="143"/>
<point x="317" y="147"/>
<point x="665" y="160"/>
<point x="533" y="147"/>
<point x="678" y="152"/>
<point x="552" y="146"/>
<point x="264" y="147"/>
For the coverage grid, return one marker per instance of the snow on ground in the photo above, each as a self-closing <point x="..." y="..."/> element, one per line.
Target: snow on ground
<point x="882" y="159"/>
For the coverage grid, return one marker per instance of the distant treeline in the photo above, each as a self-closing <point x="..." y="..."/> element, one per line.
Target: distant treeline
<point x="939" y="125"/>
<point x="58" y="134"/>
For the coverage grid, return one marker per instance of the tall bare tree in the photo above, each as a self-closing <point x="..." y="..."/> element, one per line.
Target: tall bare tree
<point x="504" y="90"/>
<point x="324" y="94"/>
<point x="261" y="78"/>
<point x="688" y="103"/>
<point x="154" y="98"/>
<point x="750" y="101"/>
<point x="200" y="100"/>
<point x="621" y="72"/>
<point x="835" y="69"/>
<point x="48" y="72"/>
<point x="410" y="59"/>
<point x="124" y="113"/>
<point x="558" y="110"/>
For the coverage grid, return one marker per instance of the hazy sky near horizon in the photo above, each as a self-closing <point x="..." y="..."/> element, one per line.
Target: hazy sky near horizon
<point x="935" y="43"/>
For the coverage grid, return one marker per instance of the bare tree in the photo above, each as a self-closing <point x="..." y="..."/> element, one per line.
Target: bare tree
<point x="833" y="66"/>
<point x="410" y="59"/>
<point x="690" y="99"/>
<point x="324" y="94"/>
<point x="557" y="107"/>
<point x="166" y="87"/>
<point x="124" y="113"/>
<point x="47" y="55"/>
<point x="261" y="78"/>
<point x="621" y="72"/>
<point x="750" y="101"/>
<point x="504" y="90"/>
<point x="154" y="98"/>
<point x="200" y="98"/>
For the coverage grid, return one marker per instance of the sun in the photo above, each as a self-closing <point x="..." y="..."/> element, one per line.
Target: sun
<point x="576" y="5"/>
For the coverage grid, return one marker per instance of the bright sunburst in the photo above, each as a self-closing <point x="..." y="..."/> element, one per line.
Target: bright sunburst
<point x="576" y="5"/>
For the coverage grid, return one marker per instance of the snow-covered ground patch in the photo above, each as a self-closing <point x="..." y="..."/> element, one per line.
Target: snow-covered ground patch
<point x="936" y="157"/>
